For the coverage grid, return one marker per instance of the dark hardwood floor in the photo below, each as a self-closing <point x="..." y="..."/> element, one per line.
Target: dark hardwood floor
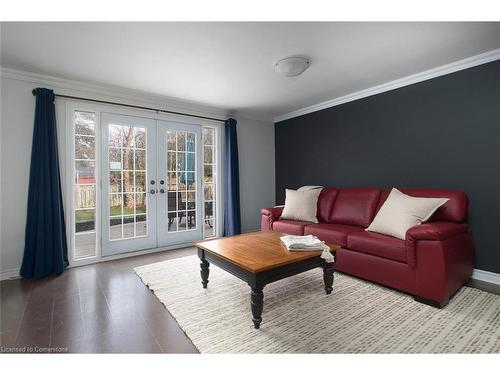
<point x="99" y="308"/>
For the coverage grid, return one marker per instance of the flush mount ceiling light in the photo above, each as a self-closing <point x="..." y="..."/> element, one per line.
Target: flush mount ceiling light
<point x="292" y="66"/>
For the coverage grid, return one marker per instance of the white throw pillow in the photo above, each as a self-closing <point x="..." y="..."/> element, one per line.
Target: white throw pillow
<point x="309" y="187"/>
<point x="400" y="212"/>
<point x="301" y="205"/>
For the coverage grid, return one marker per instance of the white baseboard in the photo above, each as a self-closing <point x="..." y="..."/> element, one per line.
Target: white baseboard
<point x="13" y="273"/>
<point x="489" y="277"/>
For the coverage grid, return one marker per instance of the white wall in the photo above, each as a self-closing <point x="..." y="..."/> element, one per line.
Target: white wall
<point x="256" y="157"/>
<point x="255" y="138"/>
<point x="17" y="109"/>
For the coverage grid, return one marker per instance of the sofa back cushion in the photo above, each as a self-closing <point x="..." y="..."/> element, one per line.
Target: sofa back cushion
<point x="355" y="207"/>
<point x="326" y="201"/>
<point x="454" y="210"/>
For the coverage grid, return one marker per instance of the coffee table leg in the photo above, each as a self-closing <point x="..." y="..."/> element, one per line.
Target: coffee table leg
<point x="204" y="272"/>
<point x="328" y="276"/>
<point x="257" y="304"/>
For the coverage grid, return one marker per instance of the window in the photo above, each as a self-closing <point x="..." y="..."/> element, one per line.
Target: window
<point x="85" y="184"/>
<point x="181" y="180"/>
<point x="209" y="182"/>
<point x="127" y="182"/>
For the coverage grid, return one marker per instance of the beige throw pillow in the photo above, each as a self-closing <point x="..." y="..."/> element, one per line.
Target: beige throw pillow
<point x="309" y="187"/>
<point x="400" y="212"/>
<point x="301" y="205"/>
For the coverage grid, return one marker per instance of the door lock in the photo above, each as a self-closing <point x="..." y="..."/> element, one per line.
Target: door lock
<point x="162" y="191"/>
<point x="152" y="191"/>
<point x="152" y="182"/>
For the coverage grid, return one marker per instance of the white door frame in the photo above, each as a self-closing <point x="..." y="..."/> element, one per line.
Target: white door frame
<point x="67" y="173"/>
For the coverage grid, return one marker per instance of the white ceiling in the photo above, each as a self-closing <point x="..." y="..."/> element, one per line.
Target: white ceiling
<point x="230" y="65"/>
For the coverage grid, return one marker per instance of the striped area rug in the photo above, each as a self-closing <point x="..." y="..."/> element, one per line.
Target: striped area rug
<point x="298" y="317"/>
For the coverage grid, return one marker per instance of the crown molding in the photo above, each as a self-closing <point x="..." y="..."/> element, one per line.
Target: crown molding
<point x="456" y="66"/>
<point x="123" y="95"/>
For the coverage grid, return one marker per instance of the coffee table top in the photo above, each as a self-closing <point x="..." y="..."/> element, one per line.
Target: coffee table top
<point x="257" y="251"/>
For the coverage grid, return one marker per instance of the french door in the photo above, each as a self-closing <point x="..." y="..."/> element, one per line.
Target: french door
<point x="151" y="185"/>
<point x="179" y="174"/>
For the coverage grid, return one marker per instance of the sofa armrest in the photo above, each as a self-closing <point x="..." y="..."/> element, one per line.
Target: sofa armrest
<point x="268" y="216"/>
<point x="436" y="231"/>
<point x="442" y="254"/>
<point x="439" y="230"/>
<point x="273" y="212"/>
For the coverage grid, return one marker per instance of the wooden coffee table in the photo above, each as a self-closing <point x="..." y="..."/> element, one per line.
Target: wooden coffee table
<point x="260" y="258"/>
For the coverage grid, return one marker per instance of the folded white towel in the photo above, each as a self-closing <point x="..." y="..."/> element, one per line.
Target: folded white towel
<point x="308" y="243"/>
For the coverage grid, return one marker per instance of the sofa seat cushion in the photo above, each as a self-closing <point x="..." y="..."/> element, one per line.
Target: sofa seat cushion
<point x="295" y="227"/>
<point x="335" y="233"/>
<point x="378" y="245"/>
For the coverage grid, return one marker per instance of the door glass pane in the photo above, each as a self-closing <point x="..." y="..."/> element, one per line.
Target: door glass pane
<point x="84" y="172"/>
<point x="191" y="219"/>
<point x="128" y="227"/>
<point x="84" y="147"/>
<point x="84" y="196"/>
<point x="172" y="222"/>
<point x="115" y="228"/>
<point x="190" y="180"/>
<point x="115" y="204"/>
<point x="140" y="226"/>
<point x="140" y="203"/>
<point x="127" y="182"/>
<point x="140" y="160"/>
<point x="181" y="161"/>
<point x="85" y="244"/>
<point x="172" y="180"/>
<point x="115" y="182"/>
<point x="181" y="141"/>
<point x="140" y="138"/>
<point x="84" y="188"/>
<point x="172" y="201"/>
<point x="84" y="123"/>
<point x="181" y="183"/>
<point x="140" y="182"/>
<point x="171" y="140"/>
<point x="208" y="151"/>
<point x="128" y="203"/>
<point x="115" y="159"/>
<point x="85" y="220"/>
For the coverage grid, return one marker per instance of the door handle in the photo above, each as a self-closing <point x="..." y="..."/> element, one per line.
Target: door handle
<point x="152" y="191"/>
<point x="162" y="191"/>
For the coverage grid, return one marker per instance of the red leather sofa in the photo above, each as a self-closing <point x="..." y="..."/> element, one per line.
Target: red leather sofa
<point x="432" y="263"/>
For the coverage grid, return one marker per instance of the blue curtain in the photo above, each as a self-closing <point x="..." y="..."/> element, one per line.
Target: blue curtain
<point x="232" y="217"/>
<point x="45" y="248"/>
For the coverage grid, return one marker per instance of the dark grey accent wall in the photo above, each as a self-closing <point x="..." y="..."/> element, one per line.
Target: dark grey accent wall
<point x="440" y="133"/>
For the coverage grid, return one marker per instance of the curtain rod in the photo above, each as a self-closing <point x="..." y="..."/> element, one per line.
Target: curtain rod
<point x="134" y="106"/>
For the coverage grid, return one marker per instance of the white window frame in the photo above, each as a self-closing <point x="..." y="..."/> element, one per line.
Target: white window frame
<point x="216" y="169"/>
<point x="69" y="170"/>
